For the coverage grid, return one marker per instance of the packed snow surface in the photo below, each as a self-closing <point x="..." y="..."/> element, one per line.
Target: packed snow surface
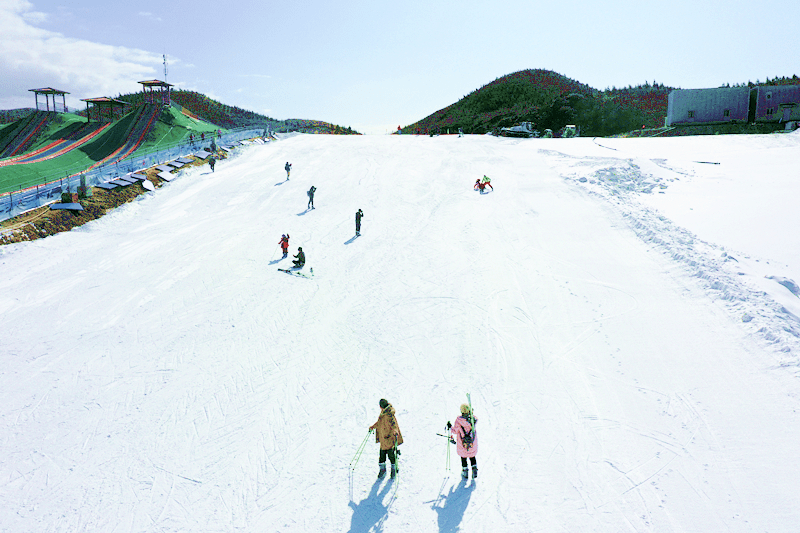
<point x="624" y="313"/>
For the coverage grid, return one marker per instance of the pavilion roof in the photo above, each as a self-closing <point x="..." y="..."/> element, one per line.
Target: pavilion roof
<point x="155" y="83"/>
<point x="48" y="90"/>
<point x="104" y="100"/>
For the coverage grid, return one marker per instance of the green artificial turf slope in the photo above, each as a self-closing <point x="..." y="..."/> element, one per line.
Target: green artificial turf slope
<point x="172" y="127"/>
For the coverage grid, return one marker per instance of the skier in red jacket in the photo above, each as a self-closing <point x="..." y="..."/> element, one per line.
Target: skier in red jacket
<point x="285" y="245"/>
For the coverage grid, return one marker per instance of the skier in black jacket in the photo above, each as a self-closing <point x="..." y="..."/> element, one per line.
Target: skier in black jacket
<point x="310" y="193"/>
<point x="300" y="258"/>
<point x="359" y="215"/>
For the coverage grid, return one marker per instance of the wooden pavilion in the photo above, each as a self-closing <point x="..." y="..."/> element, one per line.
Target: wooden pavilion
<point x="153" y="96"/>
<point x="104" y="102"/>
<point x="47" y="91"/>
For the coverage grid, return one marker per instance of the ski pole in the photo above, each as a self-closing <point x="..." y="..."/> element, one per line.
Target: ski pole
<point x="447" y="467"/>
<point x="396" y="468"/>
<point x="359" y="451"/>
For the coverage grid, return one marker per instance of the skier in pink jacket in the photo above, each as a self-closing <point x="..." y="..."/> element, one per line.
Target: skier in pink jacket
<point x="466" y="440"/>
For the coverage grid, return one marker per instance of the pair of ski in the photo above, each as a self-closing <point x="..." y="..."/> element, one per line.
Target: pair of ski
<point x="298" y="273"/>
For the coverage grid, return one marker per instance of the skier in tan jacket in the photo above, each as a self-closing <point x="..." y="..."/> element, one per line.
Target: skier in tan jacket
<point x="387" y="433"/>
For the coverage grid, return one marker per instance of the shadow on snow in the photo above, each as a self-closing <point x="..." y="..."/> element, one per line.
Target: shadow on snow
<point x="455" y="505"/>
<point x="371" y="512"/>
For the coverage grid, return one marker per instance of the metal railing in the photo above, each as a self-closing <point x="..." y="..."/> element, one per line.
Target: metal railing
<point x="45" y="189"/>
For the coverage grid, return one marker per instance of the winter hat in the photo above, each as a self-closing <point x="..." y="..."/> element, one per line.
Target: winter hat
<point x="464" y="409"/>
<point x="383" y="403"/>
<point x="299" y="248"/>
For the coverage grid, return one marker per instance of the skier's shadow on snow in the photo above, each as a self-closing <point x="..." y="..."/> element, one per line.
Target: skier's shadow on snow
<point x="275" y="261"/>
<point x="281" y="182"/>
<point x="301" y="213"/>
<point x="371" y="512"/>
<point x="354" y="237"/>
<point x="455" y="505"/>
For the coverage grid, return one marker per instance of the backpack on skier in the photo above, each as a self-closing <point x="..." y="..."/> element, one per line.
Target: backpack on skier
<point x="468" y="437"/>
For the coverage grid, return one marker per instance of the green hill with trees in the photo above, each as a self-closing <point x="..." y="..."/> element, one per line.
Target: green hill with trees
<point x="232" y="117"/>
<point x="550" y="101"/>
<point x="214" y="112"/>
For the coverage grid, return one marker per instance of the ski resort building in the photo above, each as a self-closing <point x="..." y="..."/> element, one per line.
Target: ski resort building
<point x="765" y="104"/>
<point x="779" y="103"/>
<point x="704" y="106"/>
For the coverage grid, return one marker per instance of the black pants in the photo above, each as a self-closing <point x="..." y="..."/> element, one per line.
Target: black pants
<point x="385" y="453"/>
<point x="472" y="460"/>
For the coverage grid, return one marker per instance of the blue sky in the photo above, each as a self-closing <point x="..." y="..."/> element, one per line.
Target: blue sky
<point x="374" y="65"/>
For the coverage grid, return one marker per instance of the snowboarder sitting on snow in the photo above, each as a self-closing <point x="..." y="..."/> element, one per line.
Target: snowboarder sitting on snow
<point x="466" y="440"/>
<point x="359" y="215"/>
<point x="310" y="193"/>
<point x="300" y="258"/>
<point x="487" y="182"/>
<point x="285" y="245"/>
<point x="387" y="433"/>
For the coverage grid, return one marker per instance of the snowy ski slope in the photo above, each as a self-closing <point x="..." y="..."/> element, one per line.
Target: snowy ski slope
<point x="157" y="373"/>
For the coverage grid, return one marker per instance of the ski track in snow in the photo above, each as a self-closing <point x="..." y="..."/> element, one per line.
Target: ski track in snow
<point x="159" y="374"/>
<point x="621" y="181"/>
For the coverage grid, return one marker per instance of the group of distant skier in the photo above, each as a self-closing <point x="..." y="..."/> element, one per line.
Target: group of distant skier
<point x="300" y="259"/>
<point x="482" y="183"/>
<point x="387" y="431"/>
<point x="388" y="435"/>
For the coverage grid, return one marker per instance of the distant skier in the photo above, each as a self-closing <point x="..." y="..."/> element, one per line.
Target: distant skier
<point x="482" y="183"/>
<point x="359" y="216"/>
<point x="212" y="161"/>
<point x="285" y="245"/>
<point x="310" y="194"/>
<point x="466" y="440"/>
<point x="460" y="132"/>
<point x="300" y="258"/>
<point x="288" y="168"/>
<point x="387" y="434"/>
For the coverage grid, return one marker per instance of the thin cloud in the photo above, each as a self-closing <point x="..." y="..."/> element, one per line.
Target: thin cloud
<point x="32" y="57"/>
<point x="149" y="15"/>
